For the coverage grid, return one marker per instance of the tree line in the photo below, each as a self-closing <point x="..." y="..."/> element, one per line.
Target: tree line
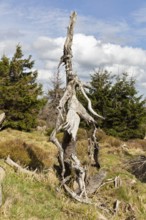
<point x="114" y="97"/>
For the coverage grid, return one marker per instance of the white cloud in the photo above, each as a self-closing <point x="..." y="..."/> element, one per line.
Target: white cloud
<point x="49" y="47"/>
<point x="29" y="26"/>
<point x="90" y="54"/>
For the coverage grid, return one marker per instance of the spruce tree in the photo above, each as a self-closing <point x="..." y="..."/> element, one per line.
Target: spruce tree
<point x="117" y="99"/>
<point x="127" y="113"/>
<point x="101" y="82"/>
<point x="19" y="91"/>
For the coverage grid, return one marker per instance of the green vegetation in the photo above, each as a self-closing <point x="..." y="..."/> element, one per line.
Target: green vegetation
<point x="19" y="91"/>
<point x="114" y="97"/>
<point x="30" y="198"/>
<point x="117" y="99"/>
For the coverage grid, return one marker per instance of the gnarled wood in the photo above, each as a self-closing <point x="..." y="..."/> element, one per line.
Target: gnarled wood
<point x="67" y="52"/>
<point x="70" y="111"/>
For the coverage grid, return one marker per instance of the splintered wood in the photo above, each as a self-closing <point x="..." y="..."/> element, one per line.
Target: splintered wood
<point x="70" y="112"/>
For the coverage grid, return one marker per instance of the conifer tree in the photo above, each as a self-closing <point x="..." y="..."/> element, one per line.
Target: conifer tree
<point x="101" y="82"/>
<point x="127" y="111"/>
<point x="19" y="91"/>
<point x="117" y="99"/>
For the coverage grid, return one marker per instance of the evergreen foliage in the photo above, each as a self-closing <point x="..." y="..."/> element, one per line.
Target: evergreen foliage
<point x="19" y="91"/>
<point x="100" y="93"/>
<point x="117" y="99"/>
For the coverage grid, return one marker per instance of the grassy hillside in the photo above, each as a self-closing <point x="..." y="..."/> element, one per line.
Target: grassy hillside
<point x="29" y="198"/>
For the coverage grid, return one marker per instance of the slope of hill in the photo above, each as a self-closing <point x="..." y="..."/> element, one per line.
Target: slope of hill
<point x="34" y="198"/>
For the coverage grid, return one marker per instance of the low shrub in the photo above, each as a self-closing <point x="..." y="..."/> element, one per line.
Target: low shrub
<point x="28" y="155"/>
<point x="15" y="149"/>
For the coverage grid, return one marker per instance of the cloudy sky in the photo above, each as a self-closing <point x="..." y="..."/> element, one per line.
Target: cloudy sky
<point x="109" y="34"/>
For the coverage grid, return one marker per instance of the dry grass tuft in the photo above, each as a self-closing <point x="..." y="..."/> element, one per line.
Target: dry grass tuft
<point x="29" y="149"/>
<point x="6" y="207"/>
<point x="82" y="134"/>
<point x="110" y="141"/>
<point x="16" y="150"/>
<point x="101" y="135"/>
<point x="82" y="151"/>
<point x="28" y="155"/>
<point x="137" y="144"/>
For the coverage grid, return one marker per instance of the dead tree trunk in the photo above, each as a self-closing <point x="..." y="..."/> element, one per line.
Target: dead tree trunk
<point x="70" y="111"/>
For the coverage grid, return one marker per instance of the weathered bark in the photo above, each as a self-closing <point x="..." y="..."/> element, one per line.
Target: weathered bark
<point x="116" y="206"/>
<point x="93" y="150"/>
<point x="67" y="53"/>
<point x="70" y="111"/>
<point x="2" y="118"/>
<point x="2" y="176"/>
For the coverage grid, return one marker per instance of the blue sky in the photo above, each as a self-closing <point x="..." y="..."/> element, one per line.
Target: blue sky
<point x="109" y="34"/>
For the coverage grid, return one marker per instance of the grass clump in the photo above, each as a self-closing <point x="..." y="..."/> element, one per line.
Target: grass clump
<point x="28" y="149"/>
<point x="82" y="134"/>
<point x="16" y="150"/>
<point x="28" y="155"/>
